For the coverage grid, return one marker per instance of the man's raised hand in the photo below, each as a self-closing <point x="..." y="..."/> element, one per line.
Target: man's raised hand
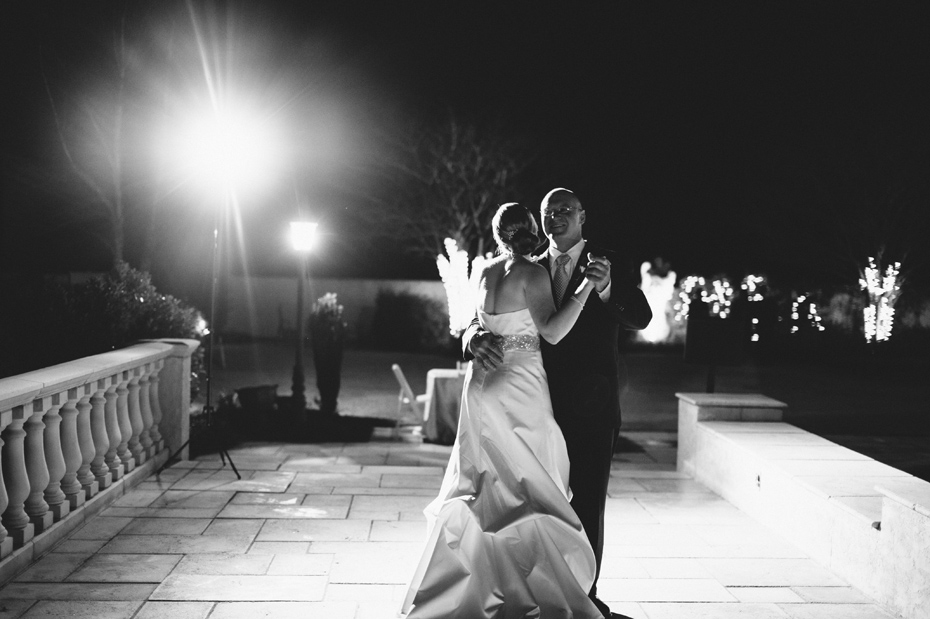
<point x="598" y="271"/>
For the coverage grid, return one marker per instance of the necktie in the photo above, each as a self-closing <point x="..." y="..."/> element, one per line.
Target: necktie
<point x="560" y="277"/>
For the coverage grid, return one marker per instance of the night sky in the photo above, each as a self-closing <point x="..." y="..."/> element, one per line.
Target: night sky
<point x="723" y="137"/>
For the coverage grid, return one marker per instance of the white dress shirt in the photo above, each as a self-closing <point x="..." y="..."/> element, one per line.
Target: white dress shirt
<point x="574" y="253"/>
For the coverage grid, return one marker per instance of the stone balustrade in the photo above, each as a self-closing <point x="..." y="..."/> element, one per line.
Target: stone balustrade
<point x="866" y="521"/>
<point x="72" y="435"/>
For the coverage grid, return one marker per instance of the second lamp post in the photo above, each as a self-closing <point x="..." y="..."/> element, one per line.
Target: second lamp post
<point x="302" y="233"/>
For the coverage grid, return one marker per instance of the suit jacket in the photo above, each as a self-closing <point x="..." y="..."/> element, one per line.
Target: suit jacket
<point x="584" y="367"/>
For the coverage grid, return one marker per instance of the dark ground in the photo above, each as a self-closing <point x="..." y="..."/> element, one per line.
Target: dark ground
<point x="877" y="408"/>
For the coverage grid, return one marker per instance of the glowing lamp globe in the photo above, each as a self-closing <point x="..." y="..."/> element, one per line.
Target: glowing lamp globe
<point x="302" y="233"/>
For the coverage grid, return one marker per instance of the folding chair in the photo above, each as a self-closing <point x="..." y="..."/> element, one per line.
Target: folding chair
<point x="412" y="410"/>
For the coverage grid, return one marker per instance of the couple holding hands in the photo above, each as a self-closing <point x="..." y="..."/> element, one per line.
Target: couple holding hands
<point x="518" y="527"/>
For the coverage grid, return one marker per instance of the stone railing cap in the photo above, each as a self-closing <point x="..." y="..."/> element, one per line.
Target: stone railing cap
<point x="175" y="341"/>
<point x="16" y="391"/>
<point x="23" y="388"/>
<point x="741" y="400"/>
<point x="912" y="492"/>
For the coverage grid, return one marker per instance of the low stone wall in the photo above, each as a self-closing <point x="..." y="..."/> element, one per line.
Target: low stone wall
<point x="866" y="521"/>
<point x="265" y="306"/>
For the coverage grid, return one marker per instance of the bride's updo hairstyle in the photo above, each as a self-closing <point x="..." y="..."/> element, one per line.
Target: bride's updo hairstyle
<point x="514" y="229"/>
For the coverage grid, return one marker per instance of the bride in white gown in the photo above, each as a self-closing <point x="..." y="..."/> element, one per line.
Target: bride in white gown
<point x="503" y="541"/>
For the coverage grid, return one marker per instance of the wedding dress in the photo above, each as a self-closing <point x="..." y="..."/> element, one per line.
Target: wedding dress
<point x="503" y="541"/>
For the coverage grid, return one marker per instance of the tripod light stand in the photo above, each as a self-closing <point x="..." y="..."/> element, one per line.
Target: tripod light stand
<point x="208" y="410"/>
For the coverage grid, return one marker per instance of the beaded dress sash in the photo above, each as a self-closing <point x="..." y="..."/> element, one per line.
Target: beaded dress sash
<point x="526" y="342"/>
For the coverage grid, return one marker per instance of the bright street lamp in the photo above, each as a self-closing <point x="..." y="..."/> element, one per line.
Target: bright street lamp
<point x="302" y="233"/>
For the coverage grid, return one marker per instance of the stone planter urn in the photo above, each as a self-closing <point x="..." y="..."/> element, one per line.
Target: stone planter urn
<point x="327" y="340"/>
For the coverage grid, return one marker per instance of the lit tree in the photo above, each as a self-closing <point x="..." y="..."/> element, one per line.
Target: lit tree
<point x="883" y="289"/>
<point x="460" y="283"/>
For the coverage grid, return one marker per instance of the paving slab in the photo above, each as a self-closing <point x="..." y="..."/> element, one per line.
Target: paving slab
<point x="47" y="609"/>
<point x="54" y="567"/>
<point x="324" y="506"/>
<point x="101" y="527"/>
<point x="125" y="568"/>
<point x="712" y="611"/>
<point x="225" y="588"/>
<point x="161" y="512"/>
<point x="166" y="526"/>
<point x="224" y="563"/>
<point x="175" y="544"/>
<point x="302" y="565"/>
<point x="247" y="527"/>
<point x="262" y="498"/>
<point x="836" y="611"/>
<point x="765" y="595"/>
<point x="314" y="530"/>
<point x="699" y="590"/>
<point x="771" y="572"/>
<point x="175" y="610"/>
<point x="285" y="610"/>
<point x="193" y="499"/>
<point x="76" y="591"/>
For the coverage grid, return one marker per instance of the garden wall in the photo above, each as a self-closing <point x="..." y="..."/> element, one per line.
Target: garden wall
<point x="266" y="307"/>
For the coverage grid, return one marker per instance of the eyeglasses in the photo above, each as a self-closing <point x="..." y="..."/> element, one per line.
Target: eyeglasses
<point x="563" y="211"/>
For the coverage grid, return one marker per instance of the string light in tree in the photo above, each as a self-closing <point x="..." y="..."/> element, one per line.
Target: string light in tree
<point x="688" y="287"/>
<point x="752" y="287"/>
<point x="883" y="291"/>
<point x="811" y="318"/>
<point x="720" y="297"/>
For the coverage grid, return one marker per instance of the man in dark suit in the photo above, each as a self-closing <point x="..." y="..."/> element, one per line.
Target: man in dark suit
<point x="584" y="368"/>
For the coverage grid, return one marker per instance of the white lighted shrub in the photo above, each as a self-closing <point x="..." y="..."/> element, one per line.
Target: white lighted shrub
<point x="460" y="284"/>
<point x="883" y="291"/>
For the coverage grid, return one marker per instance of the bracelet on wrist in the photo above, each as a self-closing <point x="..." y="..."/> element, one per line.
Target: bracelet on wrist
<point x="575" y="299"/>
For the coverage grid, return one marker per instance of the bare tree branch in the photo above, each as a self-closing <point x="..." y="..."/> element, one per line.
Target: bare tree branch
<point x="445" y="181"/>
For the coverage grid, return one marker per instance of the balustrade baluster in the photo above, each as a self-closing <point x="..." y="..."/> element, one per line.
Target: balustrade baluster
<point x="125" y="425"/>
<point x="100" y="430"/>
<point x="70" y="449"/>
<point x="36" y="467"/>
<point x="6" y="542"/>
<point x="144" y="408"/>
<point x="85" y="432"/>
<point x="135" y="417"/>
<point x="53" y="495"/>
<point x="114" y="463"/>
<point x="16" y="480"/>
<point x="155" y="406"/>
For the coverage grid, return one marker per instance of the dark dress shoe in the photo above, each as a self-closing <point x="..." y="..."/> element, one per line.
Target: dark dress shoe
<point x="604" y="608"/>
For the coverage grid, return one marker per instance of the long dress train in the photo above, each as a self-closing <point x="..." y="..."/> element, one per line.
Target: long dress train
<point x="503" y="541"/>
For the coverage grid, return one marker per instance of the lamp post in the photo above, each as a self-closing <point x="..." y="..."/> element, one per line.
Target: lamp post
<point x="302" y="233"/>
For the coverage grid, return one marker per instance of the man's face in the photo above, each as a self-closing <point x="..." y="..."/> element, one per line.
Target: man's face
<point x="562" y="218"/>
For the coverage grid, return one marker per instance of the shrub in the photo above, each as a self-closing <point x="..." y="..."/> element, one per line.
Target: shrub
<point x="406" y="322"/>
<point x="104" y="313"/>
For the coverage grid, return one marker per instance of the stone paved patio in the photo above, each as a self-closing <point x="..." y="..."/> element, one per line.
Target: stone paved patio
<point x="334" y="531"/>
